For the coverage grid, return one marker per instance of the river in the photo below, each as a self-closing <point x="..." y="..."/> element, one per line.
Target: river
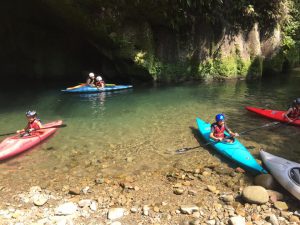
<point x="128" y="132"/>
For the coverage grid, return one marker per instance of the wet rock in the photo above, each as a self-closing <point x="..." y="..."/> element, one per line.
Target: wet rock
<point x="115" y="213"/>
<point x="281" y="205"/>
<point x="255" y="194"/>
<point x="189" y="209"/>
<point x="68" y="208"/>
<point x="265" y="180"/>
<point x="237" y="220"/>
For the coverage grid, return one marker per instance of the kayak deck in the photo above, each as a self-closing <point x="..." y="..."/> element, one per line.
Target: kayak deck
<point x="82" y="88"/>
<point x="14" y="145"/>
<point x="234" y="151"/>
<point x="272" y="114"/>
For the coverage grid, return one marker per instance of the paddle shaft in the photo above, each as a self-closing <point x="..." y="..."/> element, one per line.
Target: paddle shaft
<point x="56" y="126"/>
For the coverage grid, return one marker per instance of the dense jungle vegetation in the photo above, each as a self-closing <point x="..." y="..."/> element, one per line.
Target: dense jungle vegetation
<point x="166" y="40"/>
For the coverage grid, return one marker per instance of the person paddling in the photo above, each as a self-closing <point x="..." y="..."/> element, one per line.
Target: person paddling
<point x="293" y="113"/>
<point x="99" y="82"/>
<point x="33" y="124"/>
<point x="218" y="128"/>
<point x="91" y="79"/>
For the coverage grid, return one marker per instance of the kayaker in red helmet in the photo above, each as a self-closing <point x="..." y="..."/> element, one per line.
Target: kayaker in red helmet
<point x="293" y="113"/>
<point x="33" y="124"/>
<point x="219" y="127"/>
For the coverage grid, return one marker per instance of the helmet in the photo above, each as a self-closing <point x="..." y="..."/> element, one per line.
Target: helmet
<point x="220" y="117"/>
<point x="91" y="75"/>
<point x="98" y="78"/>
<point x="30" y="113"/>
<point x="297" y="101"/>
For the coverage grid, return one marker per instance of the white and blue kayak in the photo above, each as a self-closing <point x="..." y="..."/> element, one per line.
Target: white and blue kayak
<point x="286" y="172"/>
<point x="234" y="151"/>
<point x="83" y="88"/>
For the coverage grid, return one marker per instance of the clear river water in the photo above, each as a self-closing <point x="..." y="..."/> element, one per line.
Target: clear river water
<point x="132" y="131"/>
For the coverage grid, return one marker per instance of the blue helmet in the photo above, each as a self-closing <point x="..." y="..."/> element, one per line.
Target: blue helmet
<point x="220" y="117"/>
<point x="30" y="113"/>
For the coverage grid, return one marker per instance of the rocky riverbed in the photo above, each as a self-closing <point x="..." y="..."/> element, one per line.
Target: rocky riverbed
<point x="200" y="189"/>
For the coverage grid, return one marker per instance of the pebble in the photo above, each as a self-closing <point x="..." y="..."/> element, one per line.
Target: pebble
<point x="189" y="209"/>
<point x="255" y="194"/>
<point x="68" y="208"/>
<point x="281" y="205"/>
<point x="115" y="213"/>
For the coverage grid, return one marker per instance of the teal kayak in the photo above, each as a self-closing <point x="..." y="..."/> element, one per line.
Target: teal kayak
<point x="235" y="151"/>
<point x="82" y="88"/>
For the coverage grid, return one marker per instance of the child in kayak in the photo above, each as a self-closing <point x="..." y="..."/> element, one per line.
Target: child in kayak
<point x="99" y="82"/>
<point x="91" y="80"/>
<point x="218" y="128"/>
<point x="293" y="113"/>
<point x="33" y="124"/>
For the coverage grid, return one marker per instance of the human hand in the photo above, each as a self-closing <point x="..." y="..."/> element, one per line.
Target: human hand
<point x="236" y="134"/>
<point x="30" y="130"/>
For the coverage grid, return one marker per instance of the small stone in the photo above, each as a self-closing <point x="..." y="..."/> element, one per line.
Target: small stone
<point x="40" y="199"/>
<point x="189" y="209"/>
<point x="281" y="205"/>
<point x="134" y="210"/>
<point x="178" y="191"/>
<point x="84" y="203"/>
<point x="294" y="219"/>
<point x="192" y="192"/>
<point x="272" y="219"/>
<point x="74" y="191"/>
<point x="68" y="208"/>
<point x="211" y="188"/>
<point x="156" y="209"/>
<point x="237" y="220"/>
<point x="115" y="213"/>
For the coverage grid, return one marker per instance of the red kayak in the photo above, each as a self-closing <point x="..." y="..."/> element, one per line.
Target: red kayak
<point x="15" y="144"/>
<point x="273" y="114"/>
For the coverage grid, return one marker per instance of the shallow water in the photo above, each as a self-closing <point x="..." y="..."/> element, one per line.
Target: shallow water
<point x="132" y="131"/>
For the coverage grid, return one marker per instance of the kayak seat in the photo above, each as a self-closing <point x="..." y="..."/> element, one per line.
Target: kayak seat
<point x="295" y="175"/>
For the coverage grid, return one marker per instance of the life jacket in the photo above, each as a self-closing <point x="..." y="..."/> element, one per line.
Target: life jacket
<point x="294" y="113"/>
<point x="34" y="124"/>
<point x="99" y="83"/>
<point x="219" y="131"/>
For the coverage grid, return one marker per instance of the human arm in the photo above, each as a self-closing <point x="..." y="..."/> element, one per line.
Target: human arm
<point x="231" y="133"/>
<point x="287" y="113"/>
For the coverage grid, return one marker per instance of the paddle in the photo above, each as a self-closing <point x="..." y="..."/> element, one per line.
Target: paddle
<point x="182" y="150"/>
<point x="56" y="126"/>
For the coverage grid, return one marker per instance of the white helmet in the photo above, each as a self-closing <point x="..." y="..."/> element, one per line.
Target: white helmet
<point x="98" y="78"/>
<point x="91" y="75"/>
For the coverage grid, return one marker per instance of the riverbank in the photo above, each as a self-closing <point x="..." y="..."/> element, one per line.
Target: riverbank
<point x="207" y="192"/>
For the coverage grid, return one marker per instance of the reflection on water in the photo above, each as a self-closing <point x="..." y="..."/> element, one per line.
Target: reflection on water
<point x="147" y="125"/>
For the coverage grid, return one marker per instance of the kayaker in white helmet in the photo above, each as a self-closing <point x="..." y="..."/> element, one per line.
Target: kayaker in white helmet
<point x="91" y="79"/>
<point x="293" y="113"/>
<point x="99" y="82"/>
<point x="33" y="124"/>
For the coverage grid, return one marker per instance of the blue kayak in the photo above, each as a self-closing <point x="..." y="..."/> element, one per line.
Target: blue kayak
<point x="88" y="89"/>
<point x="234" y="151"/>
